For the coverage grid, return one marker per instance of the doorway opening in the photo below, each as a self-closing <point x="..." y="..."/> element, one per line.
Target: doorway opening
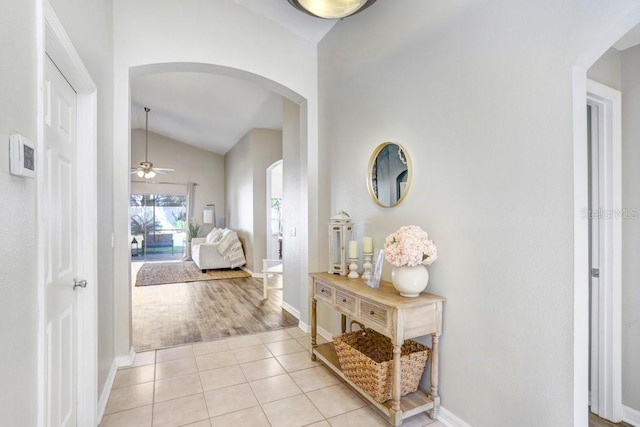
<point x="274" y="211"/>
<point x="604" y="218"/>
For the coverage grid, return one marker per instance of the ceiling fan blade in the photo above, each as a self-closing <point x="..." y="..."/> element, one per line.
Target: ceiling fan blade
<point x="159" y="172"/>
<point x="164" y="169"/>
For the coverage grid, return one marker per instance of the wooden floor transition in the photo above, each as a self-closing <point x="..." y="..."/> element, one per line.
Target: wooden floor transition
<point x="183" y="313"/>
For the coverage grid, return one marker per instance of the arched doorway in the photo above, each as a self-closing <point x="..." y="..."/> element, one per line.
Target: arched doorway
<point x="296" y="139"/>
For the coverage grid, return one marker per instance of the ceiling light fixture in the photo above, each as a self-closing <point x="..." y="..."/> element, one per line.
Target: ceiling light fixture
<point x="331" y="9"/>
<point x="146" y="169"/>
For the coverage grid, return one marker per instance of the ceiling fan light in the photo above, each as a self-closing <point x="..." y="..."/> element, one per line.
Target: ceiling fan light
<point x="149" y="174"/>
<point x="140" y="173"/>
<point x="331" y="9"/>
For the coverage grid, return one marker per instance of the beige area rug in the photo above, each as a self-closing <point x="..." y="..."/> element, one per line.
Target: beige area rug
<point x="161" y="273"/>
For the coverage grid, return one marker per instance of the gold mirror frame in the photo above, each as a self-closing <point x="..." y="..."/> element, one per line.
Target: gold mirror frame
<point x="372" y="184"/>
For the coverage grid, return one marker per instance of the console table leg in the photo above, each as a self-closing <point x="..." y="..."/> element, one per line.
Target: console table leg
<point x="396" y="413"/>
<point x="433" y="414"/>
<point x="343" y="324"/>
<point x="314" y="328"/>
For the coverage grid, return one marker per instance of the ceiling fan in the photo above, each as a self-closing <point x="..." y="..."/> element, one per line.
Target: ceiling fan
<point x="146" y="169"/>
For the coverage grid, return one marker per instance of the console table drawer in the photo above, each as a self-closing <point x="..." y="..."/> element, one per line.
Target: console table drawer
<point x="324" y="292"/>
<point x="346" y="301"/>
<point x="374" y="313"/>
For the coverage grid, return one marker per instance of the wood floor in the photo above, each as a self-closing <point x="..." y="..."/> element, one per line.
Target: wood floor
<point x="182" y="313"/>
<point x="595" y="421"/>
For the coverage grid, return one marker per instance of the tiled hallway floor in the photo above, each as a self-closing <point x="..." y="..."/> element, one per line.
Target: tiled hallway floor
<point x="265" y="379"/>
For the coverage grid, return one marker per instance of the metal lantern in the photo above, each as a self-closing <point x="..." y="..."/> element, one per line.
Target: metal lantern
<point x="339" y="226"/>
<point x="134" y="247"/>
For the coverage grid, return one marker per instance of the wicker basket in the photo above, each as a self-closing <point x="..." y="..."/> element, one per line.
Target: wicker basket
<point x="366" y="358"/>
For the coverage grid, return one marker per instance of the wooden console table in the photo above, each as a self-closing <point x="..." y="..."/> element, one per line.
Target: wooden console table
<point x="397" y="317"/>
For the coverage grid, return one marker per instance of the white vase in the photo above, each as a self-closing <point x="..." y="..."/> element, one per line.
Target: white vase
<point x="410" y="281"/>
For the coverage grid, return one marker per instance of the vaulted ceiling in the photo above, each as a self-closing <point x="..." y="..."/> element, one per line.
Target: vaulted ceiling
<point x="214" y="112"/>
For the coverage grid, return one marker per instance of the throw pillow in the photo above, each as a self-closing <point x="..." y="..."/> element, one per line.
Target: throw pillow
<point x="212" y="235"/>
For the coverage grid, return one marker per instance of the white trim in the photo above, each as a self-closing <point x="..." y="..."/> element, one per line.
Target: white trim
<point x="450" y="420"/>
<point x="126" y="361"/>
<point x="580" y="252"/>
<point x="106" y="390"/>
<point x="55" y="43"/>
<point x="295" y="313"/>
<point x="609" y="355"/>
<point x="304" y="327"/>
<point x="631" y="416"/>
<point x="42" y="319"/>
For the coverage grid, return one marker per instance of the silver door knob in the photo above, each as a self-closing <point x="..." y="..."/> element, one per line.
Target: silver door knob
<point x="79" y="284"/>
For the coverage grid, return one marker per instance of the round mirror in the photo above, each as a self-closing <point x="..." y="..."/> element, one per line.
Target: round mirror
<point x="389" y="175"/>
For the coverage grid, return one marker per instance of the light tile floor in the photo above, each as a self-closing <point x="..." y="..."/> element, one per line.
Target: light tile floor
<point x="266" y="379"/>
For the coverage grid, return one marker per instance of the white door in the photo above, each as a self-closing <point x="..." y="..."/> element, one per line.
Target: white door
<point x="60" y="247"/>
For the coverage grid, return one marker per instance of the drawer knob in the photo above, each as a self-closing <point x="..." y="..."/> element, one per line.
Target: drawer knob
<point x="322" y="291"/>
<point x="344" y="300"/>
<point x="372" y="312"/>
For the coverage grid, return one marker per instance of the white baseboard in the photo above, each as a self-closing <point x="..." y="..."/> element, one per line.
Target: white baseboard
<point x="450" y="420"/>
<point x="106" y="390"/>
<point x="325" y="334"/>
<point x="304" y="327"/>
<point x="631" y="416"/>
<point x="122" y="361"/>
<point x="295" y="313"/>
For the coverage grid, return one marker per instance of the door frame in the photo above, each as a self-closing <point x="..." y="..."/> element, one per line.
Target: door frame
<point x="54" y="42"/>
<point x="607" y="402"/>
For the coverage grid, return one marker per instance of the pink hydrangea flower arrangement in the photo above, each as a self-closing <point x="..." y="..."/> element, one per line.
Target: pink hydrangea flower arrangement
<point x="410" y="246"/>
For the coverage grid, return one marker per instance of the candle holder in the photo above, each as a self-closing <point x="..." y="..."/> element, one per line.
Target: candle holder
<point x="353" y="268"/>
<point x="367" y="265"/>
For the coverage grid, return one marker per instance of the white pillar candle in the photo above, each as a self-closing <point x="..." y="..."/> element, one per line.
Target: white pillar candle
<point x="353" y="249"/>
<point x="367" y="244"/>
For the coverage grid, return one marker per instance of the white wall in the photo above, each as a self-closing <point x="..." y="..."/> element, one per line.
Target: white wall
<point x="630" y="72"/>
<point x="191" y="164"/>
<point x="267" y="149"/>
<point x="480" y="94"/>
<point x="221" y="37"/>
<point x="238" y="164"/>
<point x="245" y="190"/>
<point x="294" y="245"/>
<point x="18" y="277"/>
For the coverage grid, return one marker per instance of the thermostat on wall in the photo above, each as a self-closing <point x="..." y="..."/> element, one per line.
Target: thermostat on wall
<point x="22" y="153"/>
